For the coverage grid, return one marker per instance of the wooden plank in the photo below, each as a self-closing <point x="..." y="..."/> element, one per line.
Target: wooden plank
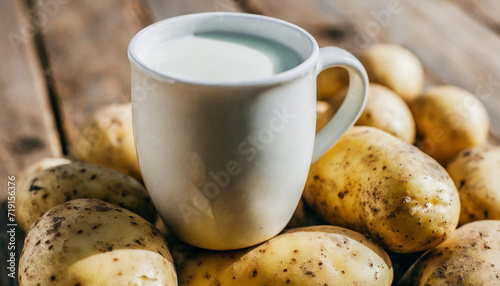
<point x="329" y="23"/>
<point x="453" y="51"/>
<point x="464" y="53"/>
<point x="28" y="131"/>
<point x="86" y="45"/>
<point x="484" y="11"/>
<point x="329" y="28"/>
<point x="161" y="9"/>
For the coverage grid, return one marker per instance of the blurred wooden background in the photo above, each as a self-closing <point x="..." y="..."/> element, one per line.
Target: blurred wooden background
<point x="64" y="59"/>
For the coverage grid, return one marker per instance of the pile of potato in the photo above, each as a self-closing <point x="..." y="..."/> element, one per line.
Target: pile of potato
<point x="416" y="165"/>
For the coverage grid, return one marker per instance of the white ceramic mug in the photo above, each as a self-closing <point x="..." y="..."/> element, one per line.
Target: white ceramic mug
<point x="226" y="164"/>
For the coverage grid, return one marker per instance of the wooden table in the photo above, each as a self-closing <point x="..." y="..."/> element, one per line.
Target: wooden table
<point x="63" y="59"/>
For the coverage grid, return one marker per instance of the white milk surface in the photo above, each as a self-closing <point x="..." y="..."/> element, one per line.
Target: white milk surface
<point x="221" y="58"/>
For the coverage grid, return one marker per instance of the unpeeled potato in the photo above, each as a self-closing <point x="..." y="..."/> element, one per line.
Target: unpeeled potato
<point x="45" y="163"/>
<point x="476" y="173"/>
<point x="449" y="119"/>
<point x="330" y="81"/>
<point x="53" y="186"/>
<point x="394" y="67"/>
<point x="324" y="113"/>
<point x="89" y="242"/>
<point x="471" y="256"/>
<point x="107" y="139"/>
<point x="318" y="255"/>
<point x="39" y="165"/>
<point x="375" y="183"/>
<point x="387" y="111"/>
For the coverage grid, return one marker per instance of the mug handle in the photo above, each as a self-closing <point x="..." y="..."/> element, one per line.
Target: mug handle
<point x="353" y="104"/>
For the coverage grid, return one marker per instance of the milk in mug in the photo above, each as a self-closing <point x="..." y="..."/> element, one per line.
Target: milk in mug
<point x="221" y="57"/>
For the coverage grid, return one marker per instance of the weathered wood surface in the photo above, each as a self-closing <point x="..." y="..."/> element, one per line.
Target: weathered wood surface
<point x="169" y="8"/>
<point x="27" y="128"/>
<point x="83" y="51"/>
<point x="454" y="47"/>
<point x="484" y="11"/>
<point x="86" y="45"/>
<point x="75" y="33"/>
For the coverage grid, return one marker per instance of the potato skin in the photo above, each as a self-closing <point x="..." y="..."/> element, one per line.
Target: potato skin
<point x="124" y="267"/>
<point x="37" y="166"/>
<point x="318" y="255"/>
<point x="324" y="113"/>
<point x="107" y="139"/>
<point x="394" y="67"/>
<point x="471" y="256"/>
<point x="45" y="163"/>
<point x="374" y="183"/>
<point x="59" y="246"/>
<point x="330" y="81"/>
<point x="448" y="120"/>
<point x="54" y="186"/>
<point x="476" y="173"/>
<point x="387" y="111"/>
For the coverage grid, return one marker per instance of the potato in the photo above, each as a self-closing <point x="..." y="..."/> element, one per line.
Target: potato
<point x="330" y="81"/>
<point x="395" y="67"/>
<point x="45" y="164"/>
<point x="54" y="186"/>
<point x="107" y="139"/>
<point x="324" y="113"/>
<point x="448" y="120"/>
<point x="90" y="242"/>
<point x="471" y="256"/>
<point x="39" y="165"/>
<point x="319" y="255"/>
<point x="336" y="100"/>
<point x="375" y="183"/>
<point x="387" y="111"/>
<point x="476" y="173"/>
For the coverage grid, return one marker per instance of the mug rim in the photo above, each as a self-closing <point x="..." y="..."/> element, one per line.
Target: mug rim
<point x="288" y="75"/>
